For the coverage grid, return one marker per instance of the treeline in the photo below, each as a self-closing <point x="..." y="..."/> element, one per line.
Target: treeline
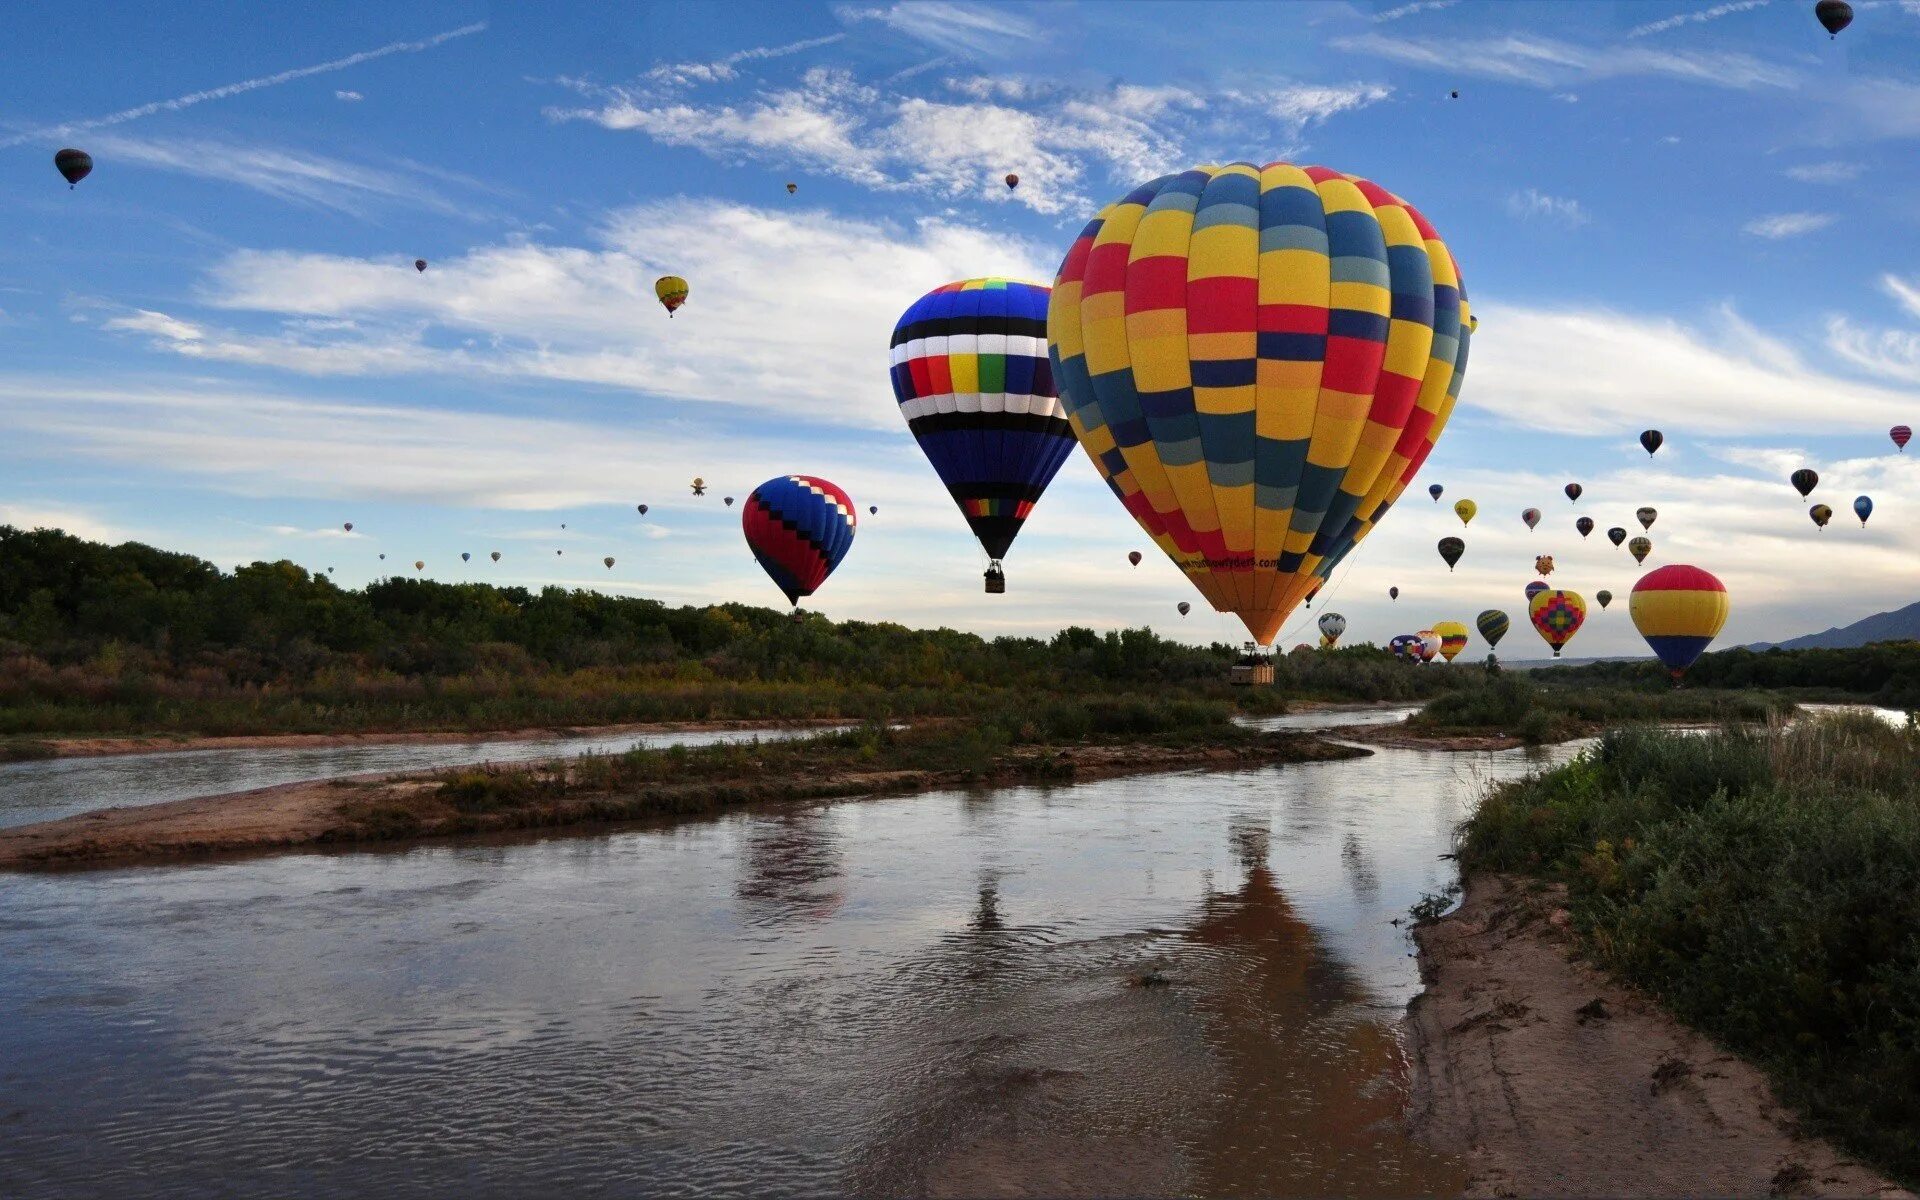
<point x="135" y="639"/>
<point x="1885" y="672"/>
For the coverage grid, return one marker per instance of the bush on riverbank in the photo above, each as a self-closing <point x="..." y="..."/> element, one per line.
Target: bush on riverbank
<point x="1513" y="704"/>
<point x="1764" y="885"/>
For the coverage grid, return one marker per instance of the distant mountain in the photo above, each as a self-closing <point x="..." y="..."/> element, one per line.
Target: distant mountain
<point x="1902" y="624"/>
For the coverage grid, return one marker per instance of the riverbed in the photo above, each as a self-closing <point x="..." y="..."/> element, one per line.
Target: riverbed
<point x="1163" y="983"/>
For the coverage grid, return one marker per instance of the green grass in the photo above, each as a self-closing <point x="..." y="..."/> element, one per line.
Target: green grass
<point x="1765" y="885"/>
<point x="1512" y="703"/>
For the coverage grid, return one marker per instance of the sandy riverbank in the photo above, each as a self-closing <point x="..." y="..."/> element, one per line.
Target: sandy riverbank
<point x="411" y="807"/>
<point x="83" y="747"/>
<point x="1549" y="1079"/>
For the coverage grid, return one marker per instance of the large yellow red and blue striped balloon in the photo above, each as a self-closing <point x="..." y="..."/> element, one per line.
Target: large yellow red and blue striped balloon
<point x="1453" y="638"/>
<point x="1557" y="615"/>
<point x="1679" y="610"/>
<point x="971" y="373"/>
<point x="799" y="527"/>
<point x="1258" y="360"/>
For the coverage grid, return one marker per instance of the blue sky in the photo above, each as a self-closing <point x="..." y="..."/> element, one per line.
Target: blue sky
<point x="1698" y="217"/>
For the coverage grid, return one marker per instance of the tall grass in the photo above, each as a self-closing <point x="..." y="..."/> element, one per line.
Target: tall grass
<point x="1765" y="884"/>
<point x="1514" y="704"/>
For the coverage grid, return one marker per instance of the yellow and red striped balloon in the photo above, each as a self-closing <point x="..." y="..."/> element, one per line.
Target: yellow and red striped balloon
<point x="1258" y="359"/>
<point x="1679" y="610"/>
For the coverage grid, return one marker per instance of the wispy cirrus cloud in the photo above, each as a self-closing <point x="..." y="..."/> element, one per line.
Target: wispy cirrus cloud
<point x="966" y="30"/>
<point x="246" y="85"/>
<point x="1777" y="226"/>
<point x="1535" y="204"/>
<point x="1551" y="63"/>
<point x="1825" y="172"/>
<point x="1697" y="17"/>
<point x="726" y="68"/>
<point x="1414" y="8"/>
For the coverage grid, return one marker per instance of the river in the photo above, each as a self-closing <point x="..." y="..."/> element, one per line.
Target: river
<point x="49" y="789"/>
<point x="1167" y="983"/>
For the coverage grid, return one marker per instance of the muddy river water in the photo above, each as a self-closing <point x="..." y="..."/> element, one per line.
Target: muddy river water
<point x="1169" y="983"/>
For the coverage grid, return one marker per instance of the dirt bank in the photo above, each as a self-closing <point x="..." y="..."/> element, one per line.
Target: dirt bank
<point x="84" y="747"/>
<point x="414" y="806"/>
<point x="1548" y="1079"/>
<point x="1403" y="735"/>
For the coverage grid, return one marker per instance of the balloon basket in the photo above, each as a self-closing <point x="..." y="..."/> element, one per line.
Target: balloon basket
<point x="996" y="580"/>
<point x="1253" y="669"/>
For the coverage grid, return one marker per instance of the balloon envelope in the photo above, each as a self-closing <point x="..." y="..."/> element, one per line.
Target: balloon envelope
<point x="1429" y="644"/>
<point x="975" y="384"/>
<point x="1573" y="491"/>
<point x="1584" y="525"/>
<point x="1804" y="481"/>
<point x="1531" y="516"/>
<point x="1833" y="15"/>
<point x="1466" y="510"/>
<point x="1646" y="516"/>
<point x="1451" y="548"/>
<point x="1332" y="625"/>
<point x="1393" y="593"/>
<point x="1679" y="610"/>
<point x="1640" y="547"/>
<point x="799" y="528"/>
<point x="1453" y="638"/>
<point x="1013" y="181"/>
<point x="1133" y="556"/>
<point x="1616" y="535"/>
<point x="672" y="292"/>
<point x="1863" y="508"/>
<point x="496" y="556"/>
<point x="1535" y="588"/>
<point x="1543" y="564"/>
<point x="1557" y="616"/>
<point x="1604" y="596"/>
<point x="1435" y="490"/>
<point x="1652" y="439"/>
<point x="1258" y="360"/>
<point x="73" y="165"/>
<point x="1901" y="435"/>
<point x="420" y="264"/>
<point x="1492" y="625"/>
<point x="1821" y="514"/>
<point x="1184" y="608"/>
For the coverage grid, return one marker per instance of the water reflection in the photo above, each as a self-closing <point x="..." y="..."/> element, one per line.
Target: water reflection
<point x="1178" y="983"/>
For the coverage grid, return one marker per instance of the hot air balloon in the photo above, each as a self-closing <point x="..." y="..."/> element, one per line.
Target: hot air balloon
<point x="1640" y="547"/>
<point x="1679" y="610"/>
<point x="1558" y="616"/>
<point x="558" y="553"/>
<point x="496" y="556"/>
<point x="727" y="500"/>
<point x="699" y="486"/>
<point x="799" y="528"/>
<point x="792" y="188"/>
<point x="975" y="384"/>
<point x="1573" y="491"/>
<point x="383" y="558"/>
<point x="1332" y="625"/>
<point x="1821" y="514"/>
<point x="1543" y="564"/>
<point x="1133" y="556"/>
<point x="1451" y="548"/>
<point x="1466" y="510"/>
<point x="873" y="510"/>
<point x="1184" y="608"/>
<point x="563" y="524"/>
<point x="1255" y="416"/>
<point x="672" y="291"/>
<point x="1453" y="638"/>
<point x="609" y="561"/>
<point x="1901" y="435"/>
<point x="348" y="527"/>
<point x="1804" y="481"/>
<point x="466" y="556"/>
<point x="1531" y="516"/>
<point x="1604" y="596"/>
<point x="1652" y="439"/>
<point x="1646" y="516"/>
<point x="419" y="564"/>
<point x="1429" y="645"/>
<point x="1863" y="508"/>
<point x="1492" y="625"/>
<point x="1616" y="535"/>
<point x="1013" y="181"/>
<point x="73" y="165"/>
<point x="1435" y="490"/>
<point x="1535" y="588"/>
<point x="641" y="509"/>
<point x="1393" y="593"/>
<point x="1453" y="95"/>
<point x="1403" y="645"/>
<point x="1833" y="15"/>
<point x="420" y="265"/>
<point x="1584" y="525"/>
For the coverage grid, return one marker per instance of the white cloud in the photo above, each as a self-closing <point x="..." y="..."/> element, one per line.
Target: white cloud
<point x="348" y="96"/>
<point x="753" y="334"/>
<point x="720" y="70"/>
<point x="966" y="30"/>
<point x="1408" y="10"/>
<point x="1825" y="172"/>
<point x="1776" y="226"/>
<point x="1551" y="63"/>
<point x="1698" y="17"/>
<point x="1890" y="353"/>
<point x="245" y="85"/>
<point x="294" y="176"/>
<point x="50" y="515"/>
<point x="1533" y="203"/>
<point x="1052" y="137"/>
<point x="1588" y="371"/>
